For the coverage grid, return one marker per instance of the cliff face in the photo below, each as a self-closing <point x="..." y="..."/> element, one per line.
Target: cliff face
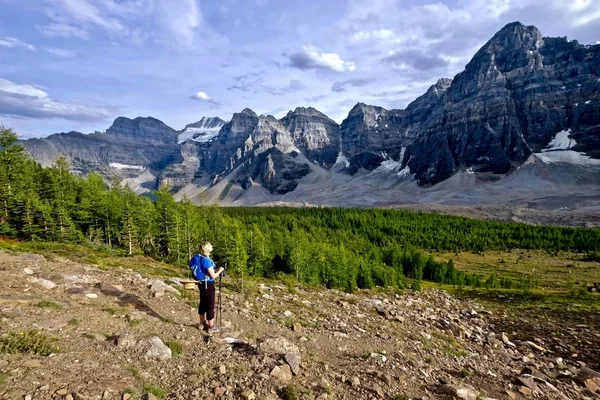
<point x="260" y="148"/>
<point x="103" y="153"/>
<point x="147" y="130"/>
<point x="515" y="95"/>
<point x="316" y="135"/>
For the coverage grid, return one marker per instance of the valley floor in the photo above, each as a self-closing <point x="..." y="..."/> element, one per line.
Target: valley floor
<point x="367" y="345"/>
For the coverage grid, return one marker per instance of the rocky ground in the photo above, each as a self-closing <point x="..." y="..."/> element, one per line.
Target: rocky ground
<point x="122" y="335"/>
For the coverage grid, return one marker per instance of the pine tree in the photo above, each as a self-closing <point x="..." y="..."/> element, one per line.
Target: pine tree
<point x="12" y="163"/>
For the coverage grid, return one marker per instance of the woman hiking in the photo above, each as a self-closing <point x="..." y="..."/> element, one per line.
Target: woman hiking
<point x="203" y="269"/>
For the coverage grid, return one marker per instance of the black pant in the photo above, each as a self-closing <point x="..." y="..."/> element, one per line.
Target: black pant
<point x="207" y="300"/>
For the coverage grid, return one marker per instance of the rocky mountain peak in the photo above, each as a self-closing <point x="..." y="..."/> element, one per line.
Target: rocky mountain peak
<point x="314" y="133"/>
<point x="249" y="112"/>
<point x="440" y="86"/>
<point x="202" y="131"/>
<point x="143" y="129"/>
<point x="206" y="123"/>
<point x="514" y="46"/>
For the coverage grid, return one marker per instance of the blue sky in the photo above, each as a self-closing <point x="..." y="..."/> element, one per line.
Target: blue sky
<point x="78" y="64"/>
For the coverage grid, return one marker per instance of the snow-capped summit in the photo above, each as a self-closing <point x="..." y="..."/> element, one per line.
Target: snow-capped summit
<point x="202" y="131"/>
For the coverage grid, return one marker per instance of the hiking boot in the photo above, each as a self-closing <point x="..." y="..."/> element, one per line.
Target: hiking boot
<point x="214" y="329"/>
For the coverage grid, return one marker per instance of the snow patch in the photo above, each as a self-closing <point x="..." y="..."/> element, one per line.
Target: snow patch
<point x="588" y="102"/>
<point x="405" y="173"/>
<point x="125" y="166"/>
<point x="204" y="130"/>
<point x="389" y="165"/>
<point x="342" y="160"/>
<point x="567" y="156"/>
<point x="560" y="142"/>
<point x="470" y="171"/>
<point x="203" y="135"/>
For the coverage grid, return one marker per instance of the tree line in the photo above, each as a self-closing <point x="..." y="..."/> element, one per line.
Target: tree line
<point x="335" y="247"/>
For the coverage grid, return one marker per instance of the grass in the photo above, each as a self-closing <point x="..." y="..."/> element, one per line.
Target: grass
<point x="49" y="304"/>
<point x="28" y="342"/>
<point x="103" y="256"/>
<point x="466" y="373"/>
<point x="74" y="322"/>
<point x="559" y="272"/>
<point x="156" y="390"/>
<point x="288" y="393"/>
<point x="176" y="347"/>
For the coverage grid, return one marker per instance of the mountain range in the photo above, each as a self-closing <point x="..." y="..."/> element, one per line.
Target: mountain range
<point x="520" y="125"/>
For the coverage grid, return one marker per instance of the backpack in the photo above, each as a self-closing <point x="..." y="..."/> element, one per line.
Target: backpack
<point x="196" y="268"/>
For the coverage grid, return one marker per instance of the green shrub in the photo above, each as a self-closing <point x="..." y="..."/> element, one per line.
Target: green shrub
<point x="288" y="393"/>
<point x="49" y="304"/>
<point x="27" y="342"/>
<point x="176" y="348"/>
<point x="156" y="390"/>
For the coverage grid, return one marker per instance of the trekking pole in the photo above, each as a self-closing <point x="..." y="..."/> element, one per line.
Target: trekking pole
<point x="220" y="317"/>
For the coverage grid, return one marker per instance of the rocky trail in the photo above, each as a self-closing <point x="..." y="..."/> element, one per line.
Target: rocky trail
<point x="121" y="335"/>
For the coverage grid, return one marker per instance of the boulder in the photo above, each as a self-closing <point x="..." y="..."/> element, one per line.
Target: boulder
<point x="126" y="340"/>
<point x="293" y="361"/>
<point x="158" y="350"/>
<point x="277" y="346"/>
<point x="588" y="378"/>
<point x="281" y="374"/>
<point x="463" y="392"/>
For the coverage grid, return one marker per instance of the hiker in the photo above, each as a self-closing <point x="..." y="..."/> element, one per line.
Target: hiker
<point x="203" y="269"/>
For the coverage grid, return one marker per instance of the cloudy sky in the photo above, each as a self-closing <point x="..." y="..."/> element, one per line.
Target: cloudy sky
<point x="78" y="64"/>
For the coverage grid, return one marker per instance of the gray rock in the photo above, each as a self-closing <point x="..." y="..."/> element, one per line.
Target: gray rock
<point x="281" y="374"/>
<point x="464" y="392"/>
<point x="34" y="257"/>
<point x="277" y="345"/>
<point x="293" y="361"/>
<point x="158" y="350"/>
<point x="126" y="340"/>
<point x="45" y="283"/>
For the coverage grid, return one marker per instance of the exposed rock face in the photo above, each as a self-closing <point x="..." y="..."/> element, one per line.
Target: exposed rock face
<point x="315" y="134"/>
<point x="515" y="95"/>
<point x="176" y="176"/>
<point x="103" y="153"/>
<point x="259" y="147"/>
<point x="149" y="130"/>
<point x="370" y="134"/>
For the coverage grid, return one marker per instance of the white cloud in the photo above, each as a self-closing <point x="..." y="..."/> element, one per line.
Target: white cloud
<point x="180" y="20"/>
<point x="312" y="58"/>
<point x="63" y="30"/>
<point x="86" y="12"/>
<point x="175" y="23"/>
<point x="11" y="43"/>
<point x="204" y="97"/>
<point x="201" y="96"/>
<point x="27" y="101"/>
<point x="60" y="52"/>
<point x="379" y="34"/>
